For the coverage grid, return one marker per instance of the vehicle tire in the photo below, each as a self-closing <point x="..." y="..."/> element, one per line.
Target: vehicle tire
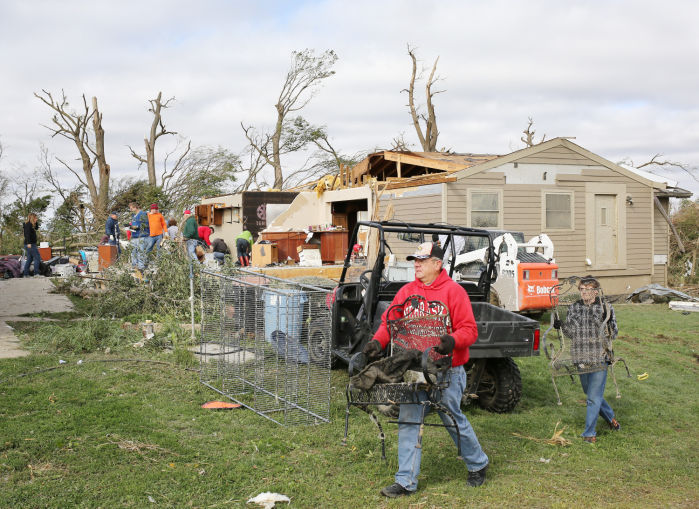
<point x="319" y="344"/>
<point x="501" y="386"/>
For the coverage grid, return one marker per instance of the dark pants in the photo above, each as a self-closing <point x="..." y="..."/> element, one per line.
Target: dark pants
<point x="32" y="255"/>
<point x="243" y="248"/>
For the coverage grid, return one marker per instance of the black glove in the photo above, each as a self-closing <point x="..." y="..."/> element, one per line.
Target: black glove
<point x="446" y="345"/>
<point x="372" y="349"/>
<point x="556" y="323"/>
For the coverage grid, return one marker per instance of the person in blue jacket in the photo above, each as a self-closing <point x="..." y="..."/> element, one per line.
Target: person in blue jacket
<point x="140" y="233"/>
<point x="111" y="229"/>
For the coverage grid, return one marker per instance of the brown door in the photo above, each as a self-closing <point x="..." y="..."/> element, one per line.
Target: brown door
<point x="606" y="230"/>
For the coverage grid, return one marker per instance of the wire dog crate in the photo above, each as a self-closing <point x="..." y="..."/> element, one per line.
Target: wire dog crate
<point x="265" y="344"/>
<point x="415" y="324"/>
<point x="583" y="343"/>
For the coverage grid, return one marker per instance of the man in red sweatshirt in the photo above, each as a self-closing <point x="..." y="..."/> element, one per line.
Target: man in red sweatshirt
<point x="433" y="282"/>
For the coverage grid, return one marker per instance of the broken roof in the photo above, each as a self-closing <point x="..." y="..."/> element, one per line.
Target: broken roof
<point x="388" y="164"/>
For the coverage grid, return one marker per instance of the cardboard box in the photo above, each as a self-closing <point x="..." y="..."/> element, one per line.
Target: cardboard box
<point x="264" y="254"/>
<point x="307" y="246"/>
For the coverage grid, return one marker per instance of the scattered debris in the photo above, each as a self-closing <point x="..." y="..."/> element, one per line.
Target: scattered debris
<point x="267" y="499"/>
<point x="556" y="439"/>
<point x="220" y="405"/>
<point x="545" y="460"/>
<point x="677" y="305"/>
<point x="61" y="361"/>
<point x="657" y="293"/>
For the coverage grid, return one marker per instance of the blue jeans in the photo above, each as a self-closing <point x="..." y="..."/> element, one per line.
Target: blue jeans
<point x="593" y="384"/>
<point x="154" y="242"/>
<point x="138" y="254"/>
<point x="219" y="257"/>
<point x="191" y="246"/>
<point x="32" y="255"/>
<point x="409" y="455"/>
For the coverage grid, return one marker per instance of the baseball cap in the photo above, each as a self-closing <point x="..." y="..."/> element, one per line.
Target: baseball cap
<point x="427" y="250"/>
<point x="187" y="212"/>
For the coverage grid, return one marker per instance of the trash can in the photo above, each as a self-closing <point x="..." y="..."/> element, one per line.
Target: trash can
<point x="284" y="323"/>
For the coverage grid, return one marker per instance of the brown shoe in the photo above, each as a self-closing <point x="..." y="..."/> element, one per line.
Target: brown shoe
<point x="590" y="440"/>
<point x="614" y="425"/>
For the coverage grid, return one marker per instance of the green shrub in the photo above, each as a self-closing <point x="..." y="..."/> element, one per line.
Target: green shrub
<point x="82" y="336"/>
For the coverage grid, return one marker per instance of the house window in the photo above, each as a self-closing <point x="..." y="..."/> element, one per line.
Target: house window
<point x="558" y="211"/>
<point x="485" y="209"/>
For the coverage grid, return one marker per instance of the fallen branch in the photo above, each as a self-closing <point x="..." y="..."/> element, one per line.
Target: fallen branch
<point x="556" y="439"/>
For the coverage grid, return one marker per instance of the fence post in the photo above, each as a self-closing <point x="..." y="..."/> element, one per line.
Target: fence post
<point x="191" y="294"/>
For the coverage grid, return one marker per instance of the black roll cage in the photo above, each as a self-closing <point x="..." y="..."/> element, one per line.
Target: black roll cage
<point x="488" y="276"/>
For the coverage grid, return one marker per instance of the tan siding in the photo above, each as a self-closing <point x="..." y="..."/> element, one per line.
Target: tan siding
<point x="558" y="155"/>
<point x="412" y="209"/>
<point x="522" y="212"/>
<point x="661" y="242"/>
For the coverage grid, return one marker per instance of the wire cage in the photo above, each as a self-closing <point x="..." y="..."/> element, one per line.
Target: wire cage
<point x="265" y="344"/>
<point x="581" y="341"/>
<point x="415" y="324"/>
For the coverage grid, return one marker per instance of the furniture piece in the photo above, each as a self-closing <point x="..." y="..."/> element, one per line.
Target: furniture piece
<point x="333" y="246"/>
<point x="286" y="242"/>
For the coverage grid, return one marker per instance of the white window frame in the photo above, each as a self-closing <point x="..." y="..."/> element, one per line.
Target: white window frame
<point x="544" y="227"/>
<point x="500" y="207"/>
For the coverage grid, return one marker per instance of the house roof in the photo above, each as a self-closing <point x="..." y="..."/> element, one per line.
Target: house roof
<point x="388" y="164"/>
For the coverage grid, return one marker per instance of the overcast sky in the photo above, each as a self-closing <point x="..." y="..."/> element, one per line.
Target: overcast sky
<point x="622" y="77"/>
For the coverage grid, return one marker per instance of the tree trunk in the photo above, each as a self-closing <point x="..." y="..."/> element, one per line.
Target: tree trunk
<point x="150" y="143"/>
<point x="104" y="170"/>
<point x="276" y="140"/>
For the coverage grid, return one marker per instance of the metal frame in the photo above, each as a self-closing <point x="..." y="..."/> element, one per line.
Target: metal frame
<point x="259" y="347"/>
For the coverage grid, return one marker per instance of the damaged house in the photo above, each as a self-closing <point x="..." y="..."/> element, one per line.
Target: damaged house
<point x="604" y="219"/>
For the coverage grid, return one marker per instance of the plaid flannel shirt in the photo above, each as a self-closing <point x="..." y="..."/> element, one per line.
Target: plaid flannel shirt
<point x="590" y="332"/>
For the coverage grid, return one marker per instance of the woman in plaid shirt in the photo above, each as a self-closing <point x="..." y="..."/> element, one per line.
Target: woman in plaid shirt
<point x="591" y="325"/>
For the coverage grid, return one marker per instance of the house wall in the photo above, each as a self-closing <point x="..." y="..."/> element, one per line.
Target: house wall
<point x="417" y="205"/>
<point x="661" y="243"/>
<point x="562" y="169"/>
<point x="232" y="223"/>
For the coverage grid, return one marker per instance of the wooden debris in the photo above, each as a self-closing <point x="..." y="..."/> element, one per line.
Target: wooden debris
<point x="556" y="439"/>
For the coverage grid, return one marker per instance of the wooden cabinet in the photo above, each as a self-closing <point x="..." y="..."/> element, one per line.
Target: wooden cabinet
<point x="333" y="246"/>
<point x="287" y="242"/>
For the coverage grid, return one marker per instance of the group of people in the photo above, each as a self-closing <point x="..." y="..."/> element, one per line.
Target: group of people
<point x="148" y="231"/>
<point x="433" y="282"/>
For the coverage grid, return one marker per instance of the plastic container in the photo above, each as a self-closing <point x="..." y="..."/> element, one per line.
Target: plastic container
<point x="283" y="313"/>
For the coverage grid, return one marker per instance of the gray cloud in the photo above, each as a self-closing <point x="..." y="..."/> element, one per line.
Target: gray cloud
<point x="620" y="76"/>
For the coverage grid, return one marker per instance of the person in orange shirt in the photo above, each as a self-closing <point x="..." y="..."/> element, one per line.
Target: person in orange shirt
<point x="158" y="228"/>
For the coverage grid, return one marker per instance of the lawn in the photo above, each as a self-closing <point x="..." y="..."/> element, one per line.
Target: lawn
<point x="132" y="434"/>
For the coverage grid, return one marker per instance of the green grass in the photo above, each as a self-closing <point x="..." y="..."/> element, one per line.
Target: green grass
<point x="113" y="434"/>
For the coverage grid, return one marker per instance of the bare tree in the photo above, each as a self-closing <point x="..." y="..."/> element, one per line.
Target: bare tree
<point x="656" y="161"/>
<point x="302" y="80"/>
<point x="400" y="144"/>
<point x="528" y="137"/>
<point x="428" y="138"/>
<point x="75" y="126"/>
<point x="157" y="129"/>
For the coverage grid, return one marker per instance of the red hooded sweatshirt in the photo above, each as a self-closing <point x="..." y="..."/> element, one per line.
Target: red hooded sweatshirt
<point x="444" y="289"/>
